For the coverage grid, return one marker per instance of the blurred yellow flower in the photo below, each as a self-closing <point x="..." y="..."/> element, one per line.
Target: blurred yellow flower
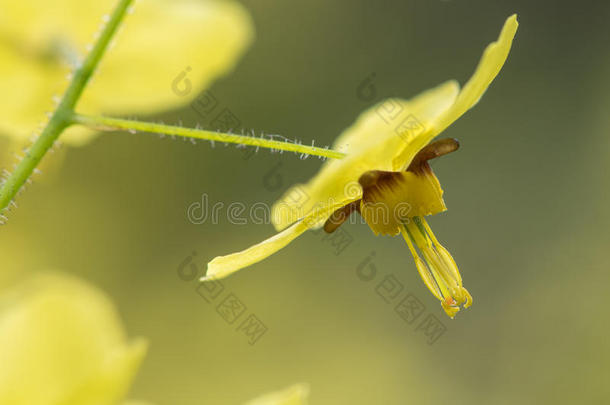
<point x="294" y="395"/>
<point x="39" y="40"/>
<point x="386" y="140"/>
<point x="61" y="342"/>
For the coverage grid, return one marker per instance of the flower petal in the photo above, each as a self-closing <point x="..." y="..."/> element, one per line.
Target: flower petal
<point x="372" y="143"/>
<point x="61" y="341"/>
<point x="387" y="136"/>
<point x="222" y="266"/>
<point x="492" y="61"/>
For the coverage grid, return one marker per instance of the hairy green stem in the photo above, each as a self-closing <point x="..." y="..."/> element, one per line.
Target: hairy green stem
<point x="62" y="117"/>
<point x="131" y="125"/>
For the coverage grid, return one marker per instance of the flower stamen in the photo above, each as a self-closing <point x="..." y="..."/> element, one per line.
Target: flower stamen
<point x="438" y="269"/>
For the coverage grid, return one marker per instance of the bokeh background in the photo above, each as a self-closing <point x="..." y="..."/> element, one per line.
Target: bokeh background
<point x="527" y="221"/>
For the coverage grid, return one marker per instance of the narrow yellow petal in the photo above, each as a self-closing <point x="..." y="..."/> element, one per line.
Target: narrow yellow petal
<point x="222" y="266"/>
<point x="492" y="61"/>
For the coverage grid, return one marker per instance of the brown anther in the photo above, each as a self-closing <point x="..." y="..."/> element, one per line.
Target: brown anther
<point x="340" y="216"/>
<point x="419" y="164"/>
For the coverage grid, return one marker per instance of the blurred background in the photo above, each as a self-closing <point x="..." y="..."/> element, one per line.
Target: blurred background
<point x="527" y="220"/>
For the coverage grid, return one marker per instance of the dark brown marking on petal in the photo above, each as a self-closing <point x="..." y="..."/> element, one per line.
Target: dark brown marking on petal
<point x="419" y="164"/>
<point x="372" y="177"/>
<point x="369" y="178"/>
<point x="340" y="216"/>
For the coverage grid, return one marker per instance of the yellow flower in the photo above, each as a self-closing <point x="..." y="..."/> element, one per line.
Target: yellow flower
<point x="384" y="141"/>
<point x="294" y="395"/>
<point x="61" y="342"/>
<point x="39" y="40"/>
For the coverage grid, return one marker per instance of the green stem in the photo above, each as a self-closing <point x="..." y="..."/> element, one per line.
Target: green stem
<point x="97" y="122"/>
<point x="62" y="117"/>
